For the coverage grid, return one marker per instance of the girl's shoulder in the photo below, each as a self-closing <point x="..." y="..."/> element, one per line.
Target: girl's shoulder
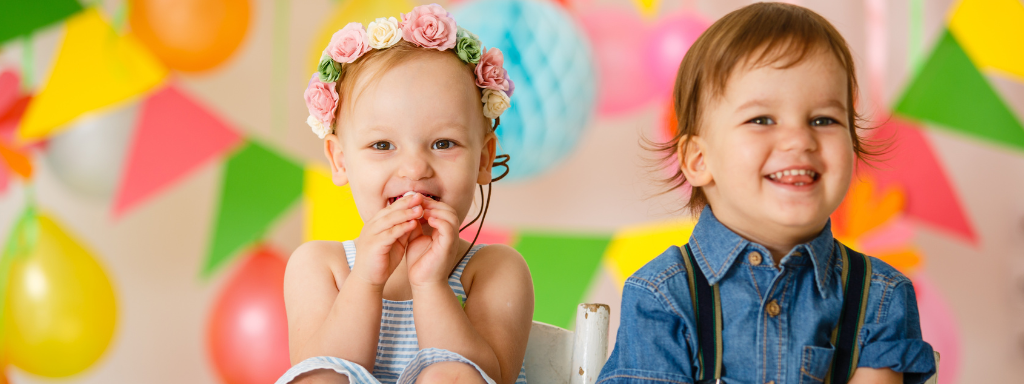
<point x="496" y="263"/>
<point x="317" y="256"/>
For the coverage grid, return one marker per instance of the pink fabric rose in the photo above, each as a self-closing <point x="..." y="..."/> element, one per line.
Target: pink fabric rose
<point x="321" y="100"/>
<point x="429" y="26"/>
<point x="490" y="71"/>
<point x="349" y="43"/>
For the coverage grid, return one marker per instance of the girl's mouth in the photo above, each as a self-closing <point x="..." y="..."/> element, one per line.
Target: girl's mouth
<point x="795" y="177"/>
<point x="391" y="200"/>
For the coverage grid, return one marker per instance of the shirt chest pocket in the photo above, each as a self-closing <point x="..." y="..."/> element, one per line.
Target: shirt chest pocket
<point x="814" y="364"/>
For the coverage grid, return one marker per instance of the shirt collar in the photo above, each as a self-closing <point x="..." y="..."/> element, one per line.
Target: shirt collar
<point x="716" y="248"/>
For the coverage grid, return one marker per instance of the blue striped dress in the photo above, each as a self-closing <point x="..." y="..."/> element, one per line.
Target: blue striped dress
<point x="399" y="358"/>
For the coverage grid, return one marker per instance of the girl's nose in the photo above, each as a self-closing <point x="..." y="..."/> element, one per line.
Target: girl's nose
<point x="414" y="167"/>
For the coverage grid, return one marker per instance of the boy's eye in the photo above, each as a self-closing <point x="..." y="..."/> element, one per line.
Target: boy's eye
<point x="823" y="121"/>
<point x="443" y="144"/>
<point x="382" y="146"/>
<point x="762" y="120"/>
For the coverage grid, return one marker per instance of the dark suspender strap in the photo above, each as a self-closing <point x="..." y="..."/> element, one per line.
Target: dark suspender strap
<point x="707" y="305"/>
<point x="856" y="283"/>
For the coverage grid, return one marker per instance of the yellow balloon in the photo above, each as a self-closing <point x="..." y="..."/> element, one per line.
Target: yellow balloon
<point x="358" y="11"/>
<point x="60" y="308"/>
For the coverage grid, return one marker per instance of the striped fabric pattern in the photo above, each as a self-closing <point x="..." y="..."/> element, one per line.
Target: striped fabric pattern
<point x="398" y="346"/>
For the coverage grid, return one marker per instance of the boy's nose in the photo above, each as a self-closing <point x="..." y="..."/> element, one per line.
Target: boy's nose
<point x="798" y="138"/>
<point x="414" y="167"/>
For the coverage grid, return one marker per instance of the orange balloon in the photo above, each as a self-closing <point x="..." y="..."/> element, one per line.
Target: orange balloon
<point x="190" y="35"/>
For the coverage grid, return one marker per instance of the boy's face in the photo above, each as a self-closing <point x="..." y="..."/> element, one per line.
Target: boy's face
<point x="776" y="154"/>
<point x="420" y="128"/>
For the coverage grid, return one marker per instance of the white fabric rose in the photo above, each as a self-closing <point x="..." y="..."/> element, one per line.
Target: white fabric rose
<point x="495" y="103"/>
<point x="384" y="32"/>
<point x="319" y="128"/>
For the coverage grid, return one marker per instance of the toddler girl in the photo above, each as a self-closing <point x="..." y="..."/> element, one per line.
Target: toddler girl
<point x="405" y="109"/>
<point x="763" y="293"/>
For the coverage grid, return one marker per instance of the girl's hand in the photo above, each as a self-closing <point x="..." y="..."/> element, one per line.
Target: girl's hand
<point x="384" y="239"/>
<point x="432" y="258"/>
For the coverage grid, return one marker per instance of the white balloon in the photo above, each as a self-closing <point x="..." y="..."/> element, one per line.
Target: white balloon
<point x="89" y="156"/>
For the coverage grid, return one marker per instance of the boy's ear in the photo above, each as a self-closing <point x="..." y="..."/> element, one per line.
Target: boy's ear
<point x="487" y="154"/>
<point x="691" y="160"/>
<point x="332" y="149"/>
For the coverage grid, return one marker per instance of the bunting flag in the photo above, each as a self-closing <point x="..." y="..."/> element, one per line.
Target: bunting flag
<point x="992" y="34"/>
<point x="330" y="212"/>
<point x="562" y="267"/>
<point x="951" y="93"/>
<point x="259" y="186"/>
<point x="913" y="166"/>
<point x="19" y="18"/>
<point x="175" y="135"/>
<point x="634" y="246"/>
<point x="93" y="58"/>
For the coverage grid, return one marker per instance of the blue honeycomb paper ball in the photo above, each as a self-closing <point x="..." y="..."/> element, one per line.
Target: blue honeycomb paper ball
<point x="548" y="57"/>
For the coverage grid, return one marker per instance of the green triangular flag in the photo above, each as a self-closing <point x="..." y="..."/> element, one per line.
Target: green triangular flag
<point x="562" y="266"/>
<point x="259" y="185"/>
<point x="20" y="17"/>
<point x="950" y="92"/>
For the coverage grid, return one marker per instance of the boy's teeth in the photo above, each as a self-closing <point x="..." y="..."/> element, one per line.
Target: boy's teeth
<point x="795" y="172"/>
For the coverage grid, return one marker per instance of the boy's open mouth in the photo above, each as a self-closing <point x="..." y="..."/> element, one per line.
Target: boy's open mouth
<point x="391" y="200"/>
<point x="796" y="177"/>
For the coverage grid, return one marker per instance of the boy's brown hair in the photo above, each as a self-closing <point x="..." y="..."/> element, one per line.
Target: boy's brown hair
<point x="758" y="34"/>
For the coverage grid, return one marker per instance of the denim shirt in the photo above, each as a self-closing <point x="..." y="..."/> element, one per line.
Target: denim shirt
<point x="777" y="322"/>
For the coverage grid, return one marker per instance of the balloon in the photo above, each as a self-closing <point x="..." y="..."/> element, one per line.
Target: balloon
<point x="938" y="326"/>
<point x="60" y="309"/>
<point x="247" y="333"/>
<point x="548" y="57"/>
<point x="666" y="45"/>
<point x="89" y="156"/>
<point x="359" y="11"/>
<point x="618" y="38"/>
<point x="190" y="35"/>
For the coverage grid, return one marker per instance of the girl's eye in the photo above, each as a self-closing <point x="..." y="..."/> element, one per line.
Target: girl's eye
<point x="382" y="146"/>
<point x="443" y="144"/>
<point x="823" y="121"/>
<point x="763" y="120"/>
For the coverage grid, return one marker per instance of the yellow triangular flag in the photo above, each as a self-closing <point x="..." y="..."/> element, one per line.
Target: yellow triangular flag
<point x="330" y="211"/>
<point x="357" y="11"/>
<point x="95" y="68"/>
<point x="632" y="247"/>
<point x="992" y="34"/>
<point x="648" y="8"/>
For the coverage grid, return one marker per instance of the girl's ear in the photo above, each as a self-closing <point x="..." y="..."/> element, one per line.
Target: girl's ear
<point x="487" y="154"/>
<point x="690" y="153"/>
<point x="332" y="149"/>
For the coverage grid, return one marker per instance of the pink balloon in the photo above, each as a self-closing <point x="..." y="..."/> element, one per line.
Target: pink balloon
<point x="617" y="38"/>
<point x="247" y="334"/>
<point x="667" y="44"/>
<point x="938" y="327"/>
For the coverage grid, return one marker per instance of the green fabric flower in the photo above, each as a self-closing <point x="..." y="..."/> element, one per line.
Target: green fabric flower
<point x="468" y="46"/>
<point x="328" y="70"/>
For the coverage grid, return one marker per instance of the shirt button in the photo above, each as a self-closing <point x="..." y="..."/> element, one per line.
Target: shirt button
<point x="771" y="382"/>
<point x="773" y="308"/>
<point x="754" y="258"/>
<point x="797" y="253"/>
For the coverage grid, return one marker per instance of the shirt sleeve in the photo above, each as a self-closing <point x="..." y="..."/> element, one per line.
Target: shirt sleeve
<point x="891" y="335"/>
<point x="651" y="346"/>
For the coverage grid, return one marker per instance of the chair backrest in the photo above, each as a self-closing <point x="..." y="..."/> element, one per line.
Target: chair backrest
<point x="559" y="356"/>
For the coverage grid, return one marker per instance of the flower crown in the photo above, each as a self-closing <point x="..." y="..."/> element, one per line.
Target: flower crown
<point x="427" y="26"/>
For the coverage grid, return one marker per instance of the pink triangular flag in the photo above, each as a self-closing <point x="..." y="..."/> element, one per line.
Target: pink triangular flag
<point x="175" y="135"/>
<point x="912" y="164"/>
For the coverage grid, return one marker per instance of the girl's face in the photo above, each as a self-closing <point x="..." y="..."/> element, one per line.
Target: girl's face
<point x="775" y="153"/>
<point x="418" y="127"/>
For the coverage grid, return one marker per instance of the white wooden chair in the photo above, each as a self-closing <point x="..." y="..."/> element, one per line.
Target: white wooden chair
<point x="559" y="356"/>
